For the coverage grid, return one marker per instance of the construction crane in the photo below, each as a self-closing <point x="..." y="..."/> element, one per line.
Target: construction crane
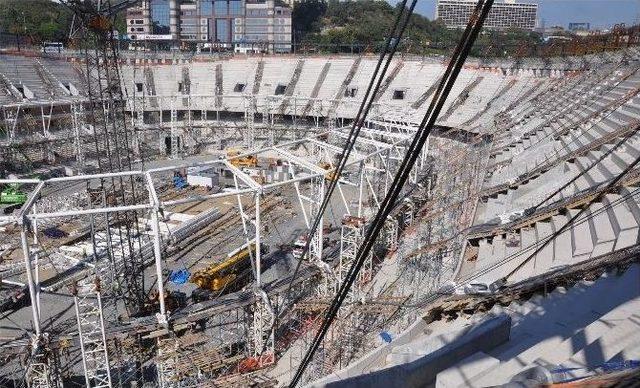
<point x="224" y="276"/>
<point x="235" y="159"/>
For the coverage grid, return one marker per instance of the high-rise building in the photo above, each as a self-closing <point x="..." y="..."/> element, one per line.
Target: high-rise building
<point x="265" y="24"/>
<point x="579" y="26"/>
<point x="244" y="25"/>
<point x="507" y="14"/>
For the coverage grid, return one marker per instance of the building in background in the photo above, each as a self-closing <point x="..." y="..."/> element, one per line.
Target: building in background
<point x="152" y="20"/>
<point x="219" y="20"/>
<point x="503" y="15"/>
<point x="579" y="27"/>
<point x="243" y="25"/>
<point x="265" y="25"/>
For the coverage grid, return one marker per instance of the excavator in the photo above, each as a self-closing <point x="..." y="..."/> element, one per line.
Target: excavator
<point x="229" y="275"/>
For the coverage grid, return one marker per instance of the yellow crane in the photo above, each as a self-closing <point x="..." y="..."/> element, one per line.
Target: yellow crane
<point x="241" y="161"/>
<point x="330" y="175"/>
<point x="225" y="276"/>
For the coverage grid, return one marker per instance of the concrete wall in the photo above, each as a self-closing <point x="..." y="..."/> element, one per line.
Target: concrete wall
<point x="422" y="372"/>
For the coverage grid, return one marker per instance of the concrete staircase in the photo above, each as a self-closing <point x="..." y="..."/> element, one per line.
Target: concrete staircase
<point x="582" y="327"/>
<point x="607" y="226"/>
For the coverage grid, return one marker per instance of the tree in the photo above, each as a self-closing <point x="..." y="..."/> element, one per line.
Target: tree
<point x="307" y="15"/>
<point x="40" y="20"/>
<point x="367" y="23"/>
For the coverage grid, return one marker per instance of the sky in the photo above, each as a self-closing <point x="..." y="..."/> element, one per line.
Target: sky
<point x="600" y="13"/>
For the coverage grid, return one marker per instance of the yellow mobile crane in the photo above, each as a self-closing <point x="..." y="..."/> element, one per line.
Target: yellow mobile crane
<point x="227" y="276"/>
<point x="330" y="175"/>
<point x="242" y="161"/>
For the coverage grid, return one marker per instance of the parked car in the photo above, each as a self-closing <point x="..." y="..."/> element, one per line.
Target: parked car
<point x="478" y="288"/>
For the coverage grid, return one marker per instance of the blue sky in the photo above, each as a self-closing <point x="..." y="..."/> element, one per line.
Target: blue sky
<point x="600" y="13"/>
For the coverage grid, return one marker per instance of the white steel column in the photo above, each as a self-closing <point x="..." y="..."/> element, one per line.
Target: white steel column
<point x="258" y="250"/>
<point x="32" y="288"/>
<point x="249" y="115"/>
<point x="77" y="115"/>
<point x="157" y="250"/>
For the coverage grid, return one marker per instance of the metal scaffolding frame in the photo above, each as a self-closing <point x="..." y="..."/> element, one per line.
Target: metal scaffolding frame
<point x="93" y="342"/>
<point x="305" y="174"/>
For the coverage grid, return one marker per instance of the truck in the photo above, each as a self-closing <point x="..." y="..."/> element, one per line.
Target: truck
<point x="229" y="275"/>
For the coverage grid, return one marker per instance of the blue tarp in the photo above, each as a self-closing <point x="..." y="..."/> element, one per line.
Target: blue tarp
<point x="179" y="277"/>
<point x="179" y="182"/>
<point x="386" y="337"/>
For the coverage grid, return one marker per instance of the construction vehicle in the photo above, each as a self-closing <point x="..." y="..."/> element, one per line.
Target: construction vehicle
<point x="241" y="161"/>
<point x="298" y="246"/>
<point x="173" y="301"/>
<point x="327" y="166"/>
<point x="230" y="275"/>
<point x="12" y="195"/>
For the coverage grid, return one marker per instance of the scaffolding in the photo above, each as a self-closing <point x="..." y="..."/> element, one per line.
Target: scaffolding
<point x="167" y="361"/>
<point x="249" y="117"/>
<point x="351" y="236"/>
<point x="77" y="115"/>
<point x="93" y="342"/>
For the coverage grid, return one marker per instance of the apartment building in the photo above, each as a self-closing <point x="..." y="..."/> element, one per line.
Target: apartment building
<point x="243" y="25"/>
<point x="503" y="15"/>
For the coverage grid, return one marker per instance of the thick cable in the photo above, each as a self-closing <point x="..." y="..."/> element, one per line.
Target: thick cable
<point x="390" y="47"/>
<point x="461" y="52"/>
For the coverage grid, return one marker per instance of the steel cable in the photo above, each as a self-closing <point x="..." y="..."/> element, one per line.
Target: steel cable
<point x="461" y="52"/>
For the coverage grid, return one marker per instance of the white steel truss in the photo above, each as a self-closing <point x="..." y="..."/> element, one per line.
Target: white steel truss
<point x="249" y="117"/>
<point x="93" y="343"/>
<point x="77" y="115"/>
<point x="11" y="120"/>
<point x="38" y="375"/>
<point x="166" y="362"/>
<point x="174" y="133"/>
<point x="263" y="330"/>
<point x="391" y="233"/>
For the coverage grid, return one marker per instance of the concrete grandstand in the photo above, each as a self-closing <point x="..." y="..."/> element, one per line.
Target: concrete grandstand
<point x="512" y="257"/>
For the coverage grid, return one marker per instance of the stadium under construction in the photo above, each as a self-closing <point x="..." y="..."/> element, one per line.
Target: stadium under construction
<point x="181" y="220"/>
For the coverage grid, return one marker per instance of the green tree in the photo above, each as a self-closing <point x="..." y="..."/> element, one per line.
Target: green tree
<point x="367" y="23"/>
<point x="39" y="20"/>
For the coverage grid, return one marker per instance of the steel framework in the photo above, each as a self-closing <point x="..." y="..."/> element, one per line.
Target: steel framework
<point x="305" y="175"/>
